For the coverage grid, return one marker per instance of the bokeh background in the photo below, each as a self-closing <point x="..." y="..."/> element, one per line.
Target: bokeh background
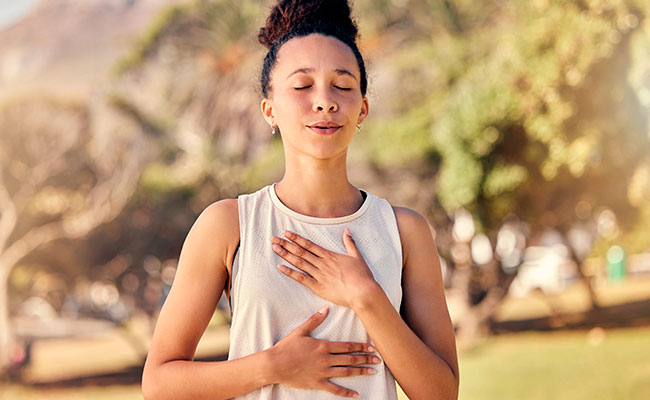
<point x="520" y="129"/>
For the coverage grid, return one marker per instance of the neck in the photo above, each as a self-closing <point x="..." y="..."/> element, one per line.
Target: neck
<point x="318" y="188"/>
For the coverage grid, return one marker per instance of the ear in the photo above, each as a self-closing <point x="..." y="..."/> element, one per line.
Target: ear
<point x="267" y="111"/>
<point x="364" y="110"/>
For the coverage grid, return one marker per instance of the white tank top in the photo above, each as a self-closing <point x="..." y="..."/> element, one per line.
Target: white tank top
<point x="267" y="305"/>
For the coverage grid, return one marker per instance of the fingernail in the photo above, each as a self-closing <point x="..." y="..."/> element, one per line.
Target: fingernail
<point x="376" y="360"/>
<point x="288" y="234"/>
<point x="356" y="395"/>
<point x="322" y="310"/>
<point x="371" y="371"/>
<point x="370" y="348"/>
<point x="347" y="232"/>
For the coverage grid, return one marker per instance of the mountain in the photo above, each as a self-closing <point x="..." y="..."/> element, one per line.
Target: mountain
<point x="66" y="47"/>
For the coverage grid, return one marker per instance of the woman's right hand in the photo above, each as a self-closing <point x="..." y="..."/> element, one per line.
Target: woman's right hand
<point x="304" y="362"/>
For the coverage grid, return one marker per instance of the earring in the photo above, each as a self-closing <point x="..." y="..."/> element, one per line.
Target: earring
<point x="274" y="129"/>
<point x="358" y="128"/>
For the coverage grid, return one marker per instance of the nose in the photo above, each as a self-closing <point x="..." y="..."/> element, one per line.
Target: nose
<point x="324" y="102"/>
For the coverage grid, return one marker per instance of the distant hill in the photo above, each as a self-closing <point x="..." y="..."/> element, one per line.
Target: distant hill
<point x="67" y="46"/>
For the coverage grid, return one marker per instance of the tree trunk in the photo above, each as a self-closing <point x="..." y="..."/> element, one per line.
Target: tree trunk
<point x="579" y="262"/>
<point x="475" y="321"/>
<point x="6" y="341"/>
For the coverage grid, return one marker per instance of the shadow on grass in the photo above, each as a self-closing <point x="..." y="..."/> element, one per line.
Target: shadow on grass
<point x="636" y="313"/>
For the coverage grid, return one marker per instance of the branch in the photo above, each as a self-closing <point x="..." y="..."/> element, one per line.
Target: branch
<point x="107" y="199"/>
<point x="8" y="214"/>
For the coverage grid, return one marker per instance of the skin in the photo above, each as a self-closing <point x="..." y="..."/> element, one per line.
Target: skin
<point x="417" y="345"/>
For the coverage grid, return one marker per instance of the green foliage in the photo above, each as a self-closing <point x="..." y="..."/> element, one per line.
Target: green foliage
<point x="399" y="140"/>
<point x="268" y="167"/>
<point x="160" y="178"/>
<point x="229" y="21"/>
<point x="148" y="40"/>
<point x="520" y="99"/>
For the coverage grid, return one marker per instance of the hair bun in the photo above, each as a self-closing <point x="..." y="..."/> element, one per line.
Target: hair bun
<point x="290" y="14"/>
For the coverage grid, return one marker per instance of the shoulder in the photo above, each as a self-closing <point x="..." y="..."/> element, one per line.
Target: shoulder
<point x="220" y="217"/>
<point x="225" y="210"/>
<point x="414" y="230"/>
<point x="217" y="229"/>
<point x="410" y="222"/>
<point x="408" y="216"/>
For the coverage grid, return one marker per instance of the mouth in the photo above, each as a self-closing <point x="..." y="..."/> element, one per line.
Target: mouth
<point x="324" y="128"/>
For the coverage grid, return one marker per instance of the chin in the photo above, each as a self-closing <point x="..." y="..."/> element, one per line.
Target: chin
<point x="326" y="153"/>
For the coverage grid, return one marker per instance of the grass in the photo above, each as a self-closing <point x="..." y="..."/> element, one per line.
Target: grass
<point x="562" y="365"/>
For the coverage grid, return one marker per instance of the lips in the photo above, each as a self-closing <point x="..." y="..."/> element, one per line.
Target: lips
<point x="324" y="127"/>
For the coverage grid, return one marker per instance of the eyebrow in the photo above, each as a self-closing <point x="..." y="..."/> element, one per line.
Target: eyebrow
<point x="308" y="70"/>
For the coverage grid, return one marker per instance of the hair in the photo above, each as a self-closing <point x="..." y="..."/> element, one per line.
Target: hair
<point x="296" y="18"/>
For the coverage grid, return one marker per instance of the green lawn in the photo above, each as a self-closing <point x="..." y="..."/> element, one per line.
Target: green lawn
<point x="560" y="365"/>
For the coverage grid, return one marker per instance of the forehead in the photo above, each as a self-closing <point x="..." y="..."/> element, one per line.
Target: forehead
<point x="318" y="52"/>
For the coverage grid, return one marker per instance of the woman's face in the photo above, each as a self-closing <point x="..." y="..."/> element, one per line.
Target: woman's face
<point x="315" y="96"/>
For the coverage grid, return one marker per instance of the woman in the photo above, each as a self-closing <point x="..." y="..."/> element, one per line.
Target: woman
<point x="317" y="270"/>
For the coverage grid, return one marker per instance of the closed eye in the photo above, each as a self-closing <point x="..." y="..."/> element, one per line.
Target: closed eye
<point x="303" y="87"/>
<point x="342" y="88"/>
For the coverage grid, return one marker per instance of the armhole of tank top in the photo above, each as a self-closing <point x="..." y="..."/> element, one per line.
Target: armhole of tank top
<point x="399" y="236"/>
<point x="234" y="268"/>
<point x="232" y="275"/>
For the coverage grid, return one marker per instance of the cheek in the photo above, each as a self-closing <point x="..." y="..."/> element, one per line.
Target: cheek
<point x="289" y="103"/>
<point x="352" y="103"/>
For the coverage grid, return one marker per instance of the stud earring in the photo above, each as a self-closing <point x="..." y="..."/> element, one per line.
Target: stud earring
<point x="274" y="129"/>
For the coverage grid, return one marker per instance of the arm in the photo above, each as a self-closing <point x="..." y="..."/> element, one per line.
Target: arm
<point x="169" y="371"/>
<point x="297" y="360"/>
<point x="420" y="349"/>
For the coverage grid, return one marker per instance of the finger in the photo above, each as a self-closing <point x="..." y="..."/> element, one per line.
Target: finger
<point x="306" y="244"/>
<point x="340" y="372"/>
<point x="296" y="261"/>
<point x="298" y="276"/>
<point x="345" y="360"/>
<point x="308" y="326"/>
<point x="338" y="390"/>
<point x="349" y="347"/>
<point x="295" y="249"/>
<point x="349" y="244"/>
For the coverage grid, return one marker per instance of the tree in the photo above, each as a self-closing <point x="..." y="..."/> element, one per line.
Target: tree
<point x="60" y="177"/>
<point x="529" y="112"/>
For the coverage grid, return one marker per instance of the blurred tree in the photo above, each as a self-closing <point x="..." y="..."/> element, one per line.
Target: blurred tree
<point x="61" y="176"/>
<point x="527" y="109"/>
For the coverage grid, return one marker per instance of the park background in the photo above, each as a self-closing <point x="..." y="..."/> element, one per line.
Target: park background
<point x="520" y="129"/>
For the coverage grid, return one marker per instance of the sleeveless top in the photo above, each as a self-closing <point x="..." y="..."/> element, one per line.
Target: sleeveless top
<point x="267" y="305"/>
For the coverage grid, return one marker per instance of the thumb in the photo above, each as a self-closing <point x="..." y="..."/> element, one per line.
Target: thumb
<point x="308" y="326"/>
<point x="349" y="244"/>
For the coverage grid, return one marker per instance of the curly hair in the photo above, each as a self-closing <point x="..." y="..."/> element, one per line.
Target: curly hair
<point x="296" y="18"/>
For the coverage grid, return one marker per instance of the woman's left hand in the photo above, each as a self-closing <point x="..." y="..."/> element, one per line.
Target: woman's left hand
<point x="343" y="279"/>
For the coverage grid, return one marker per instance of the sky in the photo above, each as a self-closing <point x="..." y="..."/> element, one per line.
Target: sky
<point x="12" y="10"/>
